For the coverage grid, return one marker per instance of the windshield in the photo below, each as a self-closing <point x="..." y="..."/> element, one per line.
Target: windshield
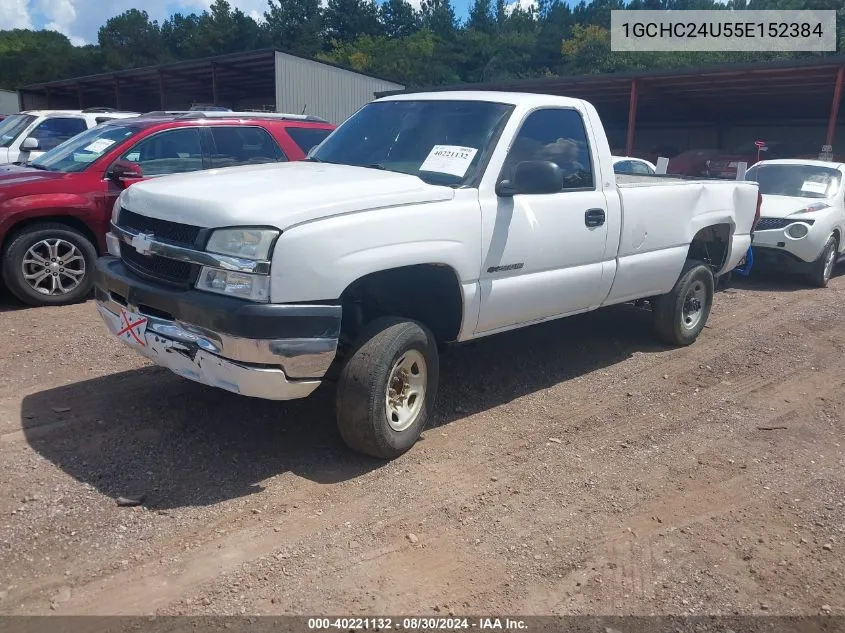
<point x="76" y="153"/>
<point x="442" y="142"/>
<point x="795" y="181"/>
<point x="12" y="126"/>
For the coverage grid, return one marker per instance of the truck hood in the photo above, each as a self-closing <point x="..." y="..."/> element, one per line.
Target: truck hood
<point x="279" y="194"/>
<point x="784" y="206"/>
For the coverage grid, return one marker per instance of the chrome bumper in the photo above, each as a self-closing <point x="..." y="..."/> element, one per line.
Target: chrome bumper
<point x="275" y="369"/>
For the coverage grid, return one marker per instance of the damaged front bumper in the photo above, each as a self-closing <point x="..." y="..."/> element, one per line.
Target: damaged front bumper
<point x="269" y="351"/>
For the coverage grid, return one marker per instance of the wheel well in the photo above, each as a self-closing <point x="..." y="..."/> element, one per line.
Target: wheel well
<point x="67" y="220"/>
<point x="710" y="245"/>
<point x="838" y="237"/>
<point x="428" y="293"/>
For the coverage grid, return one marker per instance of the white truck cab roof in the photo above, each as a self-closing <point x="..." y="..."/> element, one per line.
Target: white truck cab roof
<point x="525" y="99"/>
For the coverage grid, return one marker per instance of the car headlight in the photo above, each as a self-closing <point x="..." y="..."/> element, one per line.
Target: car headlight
<point x="245" y="243"/>
<point x="797" y="231"/>
<point x="235" y="284"/>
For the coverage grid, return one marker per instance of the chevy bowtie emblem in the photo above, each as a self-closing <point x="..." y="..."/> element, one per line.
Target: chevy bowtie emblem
<point x="143" y="243"/>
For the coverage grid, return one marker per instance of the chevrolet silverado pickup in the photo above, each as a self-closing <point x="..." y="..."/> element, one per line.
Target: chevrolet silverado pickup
<point x="423" y="219"/>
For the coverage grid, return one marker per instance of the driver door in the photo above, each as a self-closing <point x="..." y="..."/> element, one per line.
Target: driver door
<point x="544" y="254"/>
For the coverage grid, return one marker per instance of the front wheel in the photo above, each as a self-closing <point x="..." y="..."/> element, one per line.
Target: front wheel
<point x="822" y="269"/>
<point x="387" y="388"/>
<point x="49" y="264"/>
<point x="680" y="315"/>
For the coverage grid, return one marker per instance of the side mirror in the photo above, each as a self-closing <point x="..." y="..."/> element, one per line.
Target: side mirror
<point x="29" y="144"/>
<point x="532" y="177"/>
<point x="124" y="170"/>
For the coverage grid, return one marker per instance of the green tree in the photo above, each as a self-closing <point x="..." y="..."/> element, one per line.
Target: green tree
<point x="179" y="34"/>
<point x="346" y="20"/>
<point x="131" y="39"/>
<point x="481" y="17"/>
<point x="295" y="25"/>
<point x="438" y="16"/>
<point x="224" y="30"/>
<point x="417" y="60"/>
<point x="28" y="57"/>
<point x="398" y="18"/>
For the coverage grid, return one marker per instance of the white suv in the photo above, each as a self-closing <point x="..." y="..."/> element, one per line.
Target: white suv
<point x="29" y="134"/>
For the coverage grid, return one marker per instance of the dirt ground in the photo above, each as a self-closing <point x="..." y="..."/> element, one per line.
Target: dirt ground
<point x="576" y="467"/>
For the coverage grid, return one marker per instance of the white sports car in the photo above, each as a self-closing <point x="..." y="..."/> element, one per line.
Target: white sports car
<point x="802" y="221"/>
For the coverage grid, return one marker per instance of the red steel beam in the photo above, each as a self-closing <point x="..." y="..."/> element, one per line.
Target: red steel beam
<point x="834" y="108"/>
<point x="632" y="118"/>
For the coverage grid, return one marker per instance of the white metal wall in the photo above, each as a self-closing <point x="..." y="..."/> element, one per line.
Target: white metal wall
<point x="9" y="102"/>
<point x="323" y="90"/>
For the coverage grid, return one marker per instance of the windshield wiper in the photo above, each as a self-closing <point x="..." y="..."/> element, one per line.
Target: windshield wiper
<point x="34" y="166"/>
<point x="378" y="166"/>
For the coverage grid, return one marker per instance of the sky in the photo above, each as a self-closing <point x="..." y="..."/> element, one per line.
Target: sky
<point x="80" y="19"/>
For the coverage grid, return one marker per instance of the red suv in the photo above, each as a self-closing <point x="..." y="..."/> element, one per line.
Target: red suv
<point x="54" y="213"/>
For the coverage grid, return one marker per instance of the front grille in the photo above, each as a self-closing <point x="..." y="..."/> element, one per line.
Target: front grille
<point x="770" y="224"/>
<point x="164" y="231"/>
<point x="160" y="268"/>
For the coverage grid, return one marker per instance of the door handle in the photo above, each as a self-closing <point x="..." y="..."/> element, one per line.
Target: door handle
<point x="594" y="217"/>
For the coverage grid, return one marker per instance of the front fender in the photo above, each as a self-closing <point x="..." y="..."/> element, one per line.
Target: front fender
<point x="318" y="260"/>
<point x="14" y="211"/>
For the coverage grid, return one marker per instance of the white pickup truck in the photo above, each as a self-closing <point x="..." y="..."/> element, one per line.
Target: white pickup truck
<point x="423" y="219"/>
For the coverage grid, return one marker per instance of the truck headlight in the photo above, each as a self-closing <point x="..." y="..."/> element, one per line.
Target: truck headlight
<point x="115" y="211"/>
<point x="247" y="243"/>
<point x="234" y="284"/>
<point x="797" y="231"/>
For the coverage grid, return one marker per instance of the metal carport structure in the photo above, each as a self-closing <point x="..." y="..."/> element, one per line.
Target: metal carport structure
<point x="800" y="92"/>
<point x="268" y="79"/>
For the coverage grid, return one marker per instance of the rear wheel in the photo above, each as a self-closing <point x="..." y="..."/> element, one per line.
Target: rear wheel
<point x="822" y="269"/>
<point x="387" y="387"/>
<point x="680" y="315"/>
<point x="49" y="264"/>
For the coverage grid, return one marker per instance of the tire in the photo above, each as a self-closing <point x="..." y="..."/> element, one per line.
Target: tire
<point x="822" y="268"/>
<point x="388" y="347"/>
<point x="676" y="322"/>
<point x="43" y="240"/>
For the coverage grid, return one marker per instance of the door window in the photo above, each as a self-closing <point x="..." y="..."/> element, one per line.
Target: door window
<point x="640" y="169"/>
<point x="555" y="135"/>
<point x="243" y="146"/>
<point x="307" y="138"/>
<point x="55" y="130"/>
<point x="171" y="152"/>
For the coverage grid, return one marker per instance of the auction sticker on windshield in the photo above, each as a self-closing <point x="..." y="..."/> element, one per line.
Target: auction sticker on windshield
<point x="814" y="186"/>
<point x="449" y="159"/>
<point x="100" y="145"/>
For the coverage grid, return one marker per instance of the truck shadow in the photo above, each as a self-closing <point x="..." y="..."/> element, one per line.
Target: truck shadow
<point x="147" y="432"/>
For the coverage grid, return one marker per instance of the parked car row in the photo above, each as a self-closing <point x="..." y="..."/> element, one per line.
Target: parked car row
<point x="54" y="211"/>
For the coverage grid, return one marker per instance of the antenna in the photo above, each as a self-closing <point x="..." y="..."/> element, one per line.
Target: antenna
<point x="304" y="108"/>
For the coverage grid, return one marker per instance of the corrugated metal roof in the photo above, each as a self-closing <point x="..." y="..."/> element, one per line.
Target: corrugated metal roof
<point x="800" y="88"/>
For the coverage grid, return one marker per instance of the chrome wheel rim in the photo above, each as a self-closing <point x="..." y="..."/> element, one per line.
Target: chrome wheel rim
<point x="405" y="392"/>
<point x="693" y="309"/>
<point x="829" y="263"/>
<point x="53" y="267"/>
